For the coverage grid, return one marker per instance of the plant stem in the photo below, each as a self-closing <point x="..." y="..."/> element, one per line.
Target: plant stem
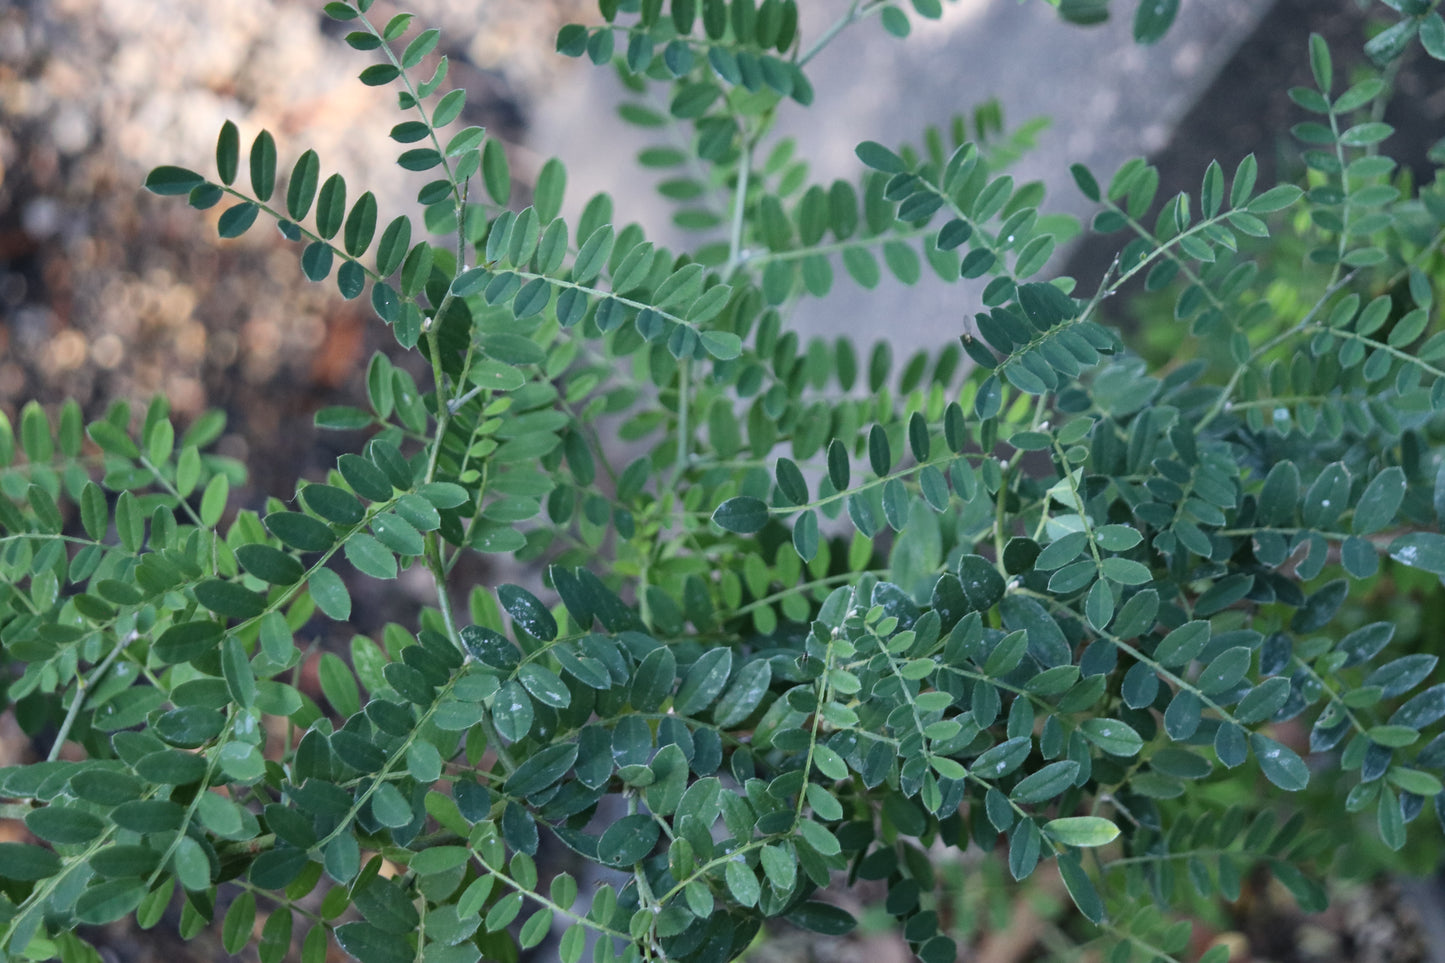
<point x="684" y="430"/>
<point x="81" y="687"/>
<point x="740" y="203"/>
<point x="856" y="12"/>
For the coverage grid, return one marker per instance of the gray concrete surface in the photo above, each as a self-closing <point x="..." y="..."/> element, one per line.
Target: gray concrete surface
<point x="1109" y="100"/>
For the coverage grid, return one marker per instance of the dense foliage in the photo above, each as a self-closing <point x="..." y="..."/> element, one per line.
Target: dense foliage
<point x="827" y="621"/>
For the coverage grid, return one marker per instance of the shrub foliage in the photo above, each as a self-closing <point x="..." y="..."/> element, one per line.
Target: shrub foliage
<point x="831" y="619"/>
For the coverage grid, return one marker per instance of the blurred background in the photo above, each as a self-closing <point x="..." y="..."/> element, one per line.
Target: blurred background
<point x="107" y="292"/>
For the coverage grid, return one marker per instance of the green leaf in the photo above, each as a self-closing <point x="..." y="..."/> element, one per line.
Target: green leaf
<point x="1152" y="19"/>
<point x="745" y="694"/>
<point x="822" y="918"/>
<point x="541" y="770"/>
<point x="495" y="173"/>
<point x="1088" y="186"/>
<point x="1280" y="764"/>
<point x="167" y="180"/>
<point x="230" y="599"/>
<point x="109" y="901"/>
<point x="62" y="825"/>
<point x="791" y="483"/>
<point x="1113" y="736"/>
<point x="301" y="189"/>
<point x="1320" y="63"/>
<point x="360" y="225"/>
<point x="239" y="923"/>
<point x="378" y="75"/>
<point x="527" y="612"/>
<point x="1076" y="881"/>
<point x="880" y="457"/>
<point x="25" y="863"/>
<point x="1422" y="550"/>
<point x="398" y="534"/>
<point x="722" y="345"/>
<point x="880" y="158"/>
<point x="1048" y="782"/>
<point x="1379" y="502"/>
<point x="628" y="840"/>
<point x="1432" y="34"/>
<point x="237" y="220"/>
<point x="228" y="152"/>
<point x="1082" y="830"/>
<point x="330" y="594"/>
<point x="1274" y="199"/>
<point x="263" y="166"/>
<point x="704" y="681"/>
<point x="741" y="514"/>
<point x="371" y="944"/>
<point x="270" y="564"/>
<point x="545" y="685"/>
<point x="1183" y="644"/>
<point x="370" y="556"/>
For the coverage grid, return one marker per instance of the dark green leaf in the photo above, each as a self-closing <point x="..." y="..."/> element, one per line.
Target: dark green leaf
<point x="541" y="770"/>
<point x="1076" y="881"/>
<point x="1152" y="19"/>
<point x="628" y="840"/>
<point x="63" y="825"/>
<point x="237" y="220"/>
<point x="372" y="944"/>
<point x="1280" y="764"/>
<point x="263" y="165"/>
<point x="24" y="863"/>
<point x="172" y="180"/>
<point x="704" y="681"/>
<point x="1048" y="782"/>
<point x="878" y="157"/>
<point x="230" y="599"/>
<point x="301" y="532"/>
<point x="741" y="514"/>
<point x="1423" y="550"/>
<point x="270" y="564"/>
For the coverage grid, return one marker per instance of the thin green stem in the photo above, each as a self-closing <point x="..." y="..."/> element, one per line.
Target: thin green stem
<point x="740" y="205"/>
<point x="855" y="13"/>
<point x="1221" y="404"/>
<point x="82" y="686"/>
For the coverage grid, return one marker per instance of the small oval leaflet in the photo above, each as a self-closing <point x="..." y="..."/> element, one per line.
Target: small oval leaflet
<point x="1082" y="830"/>
<point x="491" y="648"/>
<point x="628" y="840"/>
<point x="527" y="612"/>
